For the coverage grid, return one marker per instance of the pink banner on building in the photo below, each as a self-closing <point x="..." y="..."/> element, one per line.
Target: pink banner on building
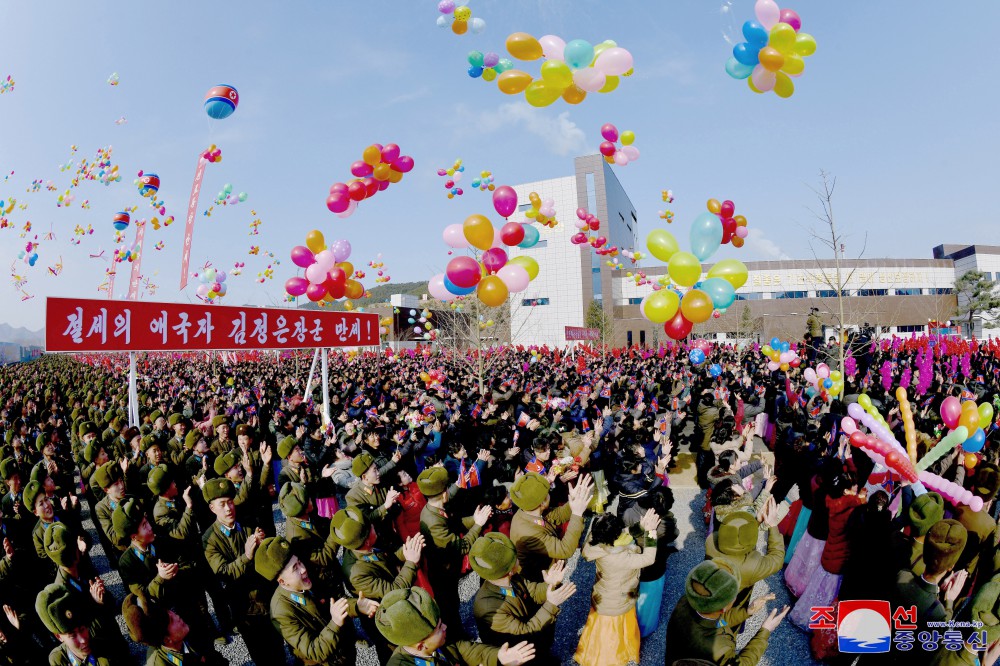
<point x="191" y="212"/>
<point x="580" y="333"/>
<point x="133" y="285"/>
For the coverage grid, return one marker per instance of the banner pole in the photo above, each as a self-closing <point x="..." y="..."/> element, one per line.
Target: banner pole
<point x="312" y="371"/>
<point x="133" y="394"/>
<point x="326" y="393"/>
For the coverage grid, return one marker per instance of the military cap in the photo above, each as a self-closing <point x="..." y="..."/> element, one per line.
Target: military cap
<point x="174" y="419"/>
<point x="529" y="491"/>
<point x="60" y="545"/>
<point x="219" y="420"/>
<point x="349" y="528"/>
<point x="361" y="463"/>
<point x="127" y="518"/>
<point x="60" y="609"/>
<point x="92" y="449"/>
<point x="986" y="483"/>
<point x="146" y="620"/>
<point x="433" y="481"/>
<point x="711" y="586"/>
<point x="986" y="608"/>
<point x="191" y="439"/>
<point x="293" y="499"/>
<point x="107" y="474"/>
<point x="271" y="557"/>
<point x="737" y="535"/>
<point x="226" y="462"/>
<point x="8" y="468"/>
<point x="943" y="546"/>
<point x="407" y="616"/>
<point x="158" y="479"/>
<point x="32" y="491"/>
<point x="244" y="430"/>
<point x="155" y="414"/>
<point x="216" y="488"/>
<point x="493" y="556"/>
<point x="286" y="445"/>
<point x="924" y="512"/>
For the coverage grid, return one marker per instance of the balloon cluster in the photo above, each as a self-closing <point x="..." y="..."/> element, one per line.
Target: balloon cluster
<point x="699" y="349"/>
<point x="487" y="65"/>
<point x="148" y="185"/>
<point x="678" y="311"/>
<point x="7" y="85"/>
<point x="823" y="380"/>
<point x="212" y="284"/>
<point x="734" y="228"/>
<point x="667" y="215"/>
<point x="212" y="154"/>
<point x="434" y="377"/>
<point x="78" y="230"/>
<point x="587" y="222"/>
<point x="29" y="253"/>
<point x="113" y="79"/>
<point x="484" y="182"/>
<point x="226" y="197"/>
<point x="570" y="70"/>
<point x="974" y="418"/>
<point x="543" y="212"/>
<point x="221" y="101"/>
<point x="667" y="196"/>
<point x="328" y="274"/>
<point x="781" y="355"/>
<point x="773" y="52"/>
<point x="159" y="245"/>
<point x="65" y="199"/>
<point x="167" y="221"/>
<point x="461" y="17"/>
<point x="121" y="220"/>
<point x="122" y="255"/>
<point x="454" y="176"/>
<point x="613" y="153"/>
<point x="268" y="274"/>
<point x="423" y="327"/>
<point x="378" y="167"/>
<point x="379" y="266"/>
<point x="101" y="169"/>
<point x="633" y="256"/>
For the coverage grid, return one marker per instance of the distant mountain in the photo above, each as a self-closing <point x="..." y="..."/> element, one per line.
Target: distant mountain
<point x="21" y="336"/>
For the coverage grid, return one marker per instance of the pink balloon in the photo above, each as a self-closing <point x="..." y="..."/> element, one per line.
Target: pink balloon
<point x="316" y="274"/>
<point x="504" y="201"/>
<point x="339" y="187"/>
<point x="454" y="236"/>
<point x="552" y="49"/>
<point x="325" y="260"/>
<point x="768" y="14"/>
<point x="360" y="169"/>
<point x="578" y="239"/>
<point x="810" y="375"/>
<point x="976" y="504"/>
<point x="351" y="207"/>
<point x="315" y="292"/>
<point x="338" y="202"/>
<point x="202" y="290"/>
<point x="494" y="259"/>
<point x="383" y="185"/>
<point x="763" y="79"/>
<point x="464" y="272"/>
<point x="515" y="277"/>
<point x="772" y="366"/>
<point x="497" y="239"/>
<point x="848" y="425"/>
<point x="822" y="371"/>
<point x="302" y="256"/>
<point x="791" y="17"/>
<point x="582" y="213"/>
<point x="437" y="289"/>
<point x="390" y="153"/>
<point x="620" y="158"/>
<point x="742" y="232"/>
<point x="589" y="79"/>
<point x="609" y="132"/>
<point x="614" y="61"/>
<point x="404" y="164"/>
<point x="951" y="411"/>
<point x="631" y="152"/>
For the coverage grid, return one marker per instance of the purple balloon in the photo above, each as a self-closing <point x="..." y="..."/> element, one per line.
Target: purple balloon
<point x="490" y="59"/>
<point x="341" y="250"/>
<point x="303" y="256"/>
<point x="856" y="411"/>
<point x="494" y="259"/>
<point x="505" y="200"/>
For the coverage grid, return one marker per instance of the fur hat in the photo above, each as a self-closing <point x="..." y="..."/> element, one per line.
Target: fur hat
<point x="924" y="512"/>
<point x="60" y="545"/>
<point x="737" y="535"/>
<point x="226" y="462"/>
<point x="8" y="468"/>
<point x="148" y="442"/>
<point x="146" y="620"/>
<point x="60" y="609"/>
<point x="158" y="479"/>
<point x="107" y="474"/>
<point x="91" y="450"/>
<point x="407" y="616"/>
<point x="191" y="439"/>
<point x="986" y="608"/>
<point x="87" y="428"/>
<point x="286" y="445"/>
<point x="529" y="491"/>
<point x="216" y="488"/>
<point x="155" y="414"/>
<point x="174" y="419"/>
<point x="349" y="528"/>
<point x="126" y="520"/>
<point x="943" y="546"/>
<point x="243" y="429"/>
<point x="219" y="420"/>
<point x="271" y="557"/>
<point x="986" y="482"/>
<point x="433" y="481"/>
<point x="493" y="556"/>
<point x="711" y="586"/>
<point x="293" y="500"/>
<point x="31" y="493"/>
<point x="361" y="463"/>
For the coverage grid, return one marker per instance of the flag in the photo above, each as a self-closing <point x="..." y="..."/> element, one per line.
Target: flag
<point x="606" y="392"/>
<point x="371" y="414"/>
<point x="523" y="420"/>
<point x="814" y="412"/>
<point x="476" y="411"/>
<point x="585" y="425"/>
<point x="654" y="405"/>
<point x="357" y="400"/>
<point x="428" y="409"/>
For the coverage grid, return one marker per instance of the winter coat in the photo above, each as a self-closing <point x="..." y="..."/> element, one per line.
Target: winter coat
<point x="838" y="545"/>
<point x="616" y="585"/>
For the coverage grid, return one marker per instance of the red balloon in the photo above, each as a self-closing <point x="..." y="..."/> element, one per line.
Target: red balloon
<point x="607" y="148"/>
<point x="384" y="185"/>
<point x="593" y="223"/>
<point x="678" y="328"/>
<point x="337" y="275"/>
<point x="357" y="191"/>
<point x="728" y="229"/>
<point x="335" y="289"/>
<point x="728" y="208"/>
<point x="894" y="459"/>
<point x="296" y="286"/>
<point x="404" y="164"/>
<point x="315" y="292"/>
<point x="859" y="439"/>
<point x="578" y="239"/>
<point x="371" y="186"/>
<point x="795" y="362"/>
<point x="512" y="233"/>
<point x="338" y="187"/>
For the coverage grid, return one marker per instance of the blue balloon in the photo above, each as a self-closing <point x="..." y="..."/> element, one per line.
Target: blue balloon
<point x="530" y="236"/>
<point x="746" y="54"/>
<point x="475" y="72"/>
<point x="706" y="235"/>
<point x="578" y="54"/>
<point x="720" y="291"/>
<point x="775" y="343"/>
<point x="975" y="441"/>
<point x="738" y="70"/>
<point x="697" y="357"/>
<point x="827" y="383"/>
<point x="785" y="346"/>
<point x="715" y="369"/>
<point x="455" y="289"/>
<point x="756" y="34"/>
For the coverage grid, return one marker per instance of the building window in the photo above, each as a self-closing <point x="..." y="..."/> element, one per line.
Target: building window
<point x="873" y="292"/>
<point x="526" y="206"/>
<point x="635" y="219"/>
<point x="942" y="291"/>
<point x="917" y="328"/>
<point x="749" y="297"/>
<point x="831" y="293"/>
<point x="539" y="244"/>
<point x="628" y="337"/>
<point x="595" y="269"/>
<point x="530" y="302"/>
<point x="642" y="338"/>
<point x="634" y="301"/>
<point x="909" y="291"/>
<point x="791" y="294"/>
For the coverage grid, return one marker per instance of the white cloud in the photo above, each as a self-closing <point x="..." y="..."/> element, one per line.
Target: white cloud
<point x="756" y="242"/>
<point x="559" y="134"/>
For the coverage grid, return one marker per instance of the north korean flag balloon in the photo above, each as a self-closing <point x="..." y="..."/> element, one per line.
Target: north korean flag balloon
<point x="121" y="220"/>
<point x="221" y="101"/>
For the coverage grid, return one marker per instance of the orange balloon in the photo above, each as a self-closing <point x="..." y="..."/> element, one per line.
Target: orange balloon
<point x="395" y="176"/>
<point x="347" y="267"/>
<point x="513" y="81"/>
<point x="737" y="241"/>
<point x="492" y="291"/>
<point x="372" y="155"/>
<point x="353" y="289"/>
<point x="771" y="59"/>
<point x="381" y="171"/>
<point x="574" y="94"/>
<point x="696" y="306"/>
<point x="523" y="46"/>
<point x="714" y="206"/>
<point x="460" y="27"/>
<point x="970" y="416"/>
<point x="971" y="459"/>
<point x="740" y="221"/>
<point x="478" y="231"/>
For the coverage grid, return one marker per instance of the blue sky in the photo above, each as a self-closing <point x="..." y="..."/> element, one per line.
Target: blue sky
<point x="898" y="102"/>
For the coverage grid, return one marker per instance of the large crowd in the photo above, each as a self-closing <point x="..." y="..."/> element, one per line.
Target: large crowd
<point x="503" y="466"/>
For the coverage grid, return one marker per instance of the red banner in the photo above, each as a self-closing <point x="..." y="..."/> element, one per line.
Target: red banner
<point x="580" y="333"/>
<point x="78" y="325"/>
<point x="133" y="285"/>
<point x="192" y="211"/>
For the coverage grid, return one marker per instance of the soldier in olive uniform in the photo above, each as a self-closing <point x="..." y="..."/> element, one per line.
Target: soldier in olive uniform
<point x="110" y="479"/>
<point x="311" y="539"/>
<point x="166" y="633"/>
<point x="175" y="445"/>
<point x="65" y="615"/>
<point x="221" y="444"/>
<point x="252" y="499"/>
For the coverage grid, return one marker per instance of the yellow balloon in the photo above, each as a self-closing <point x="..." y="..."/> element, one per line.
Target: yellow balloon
<point x="478" y="231"/>
<point x="372" y="155"/>
<point x="492" y="291"/>
<point x="557" y="74"/>
<point x="395" y="176"/>
<point x="523" y="46"/>
<point x="513" y="81"/>
<point x="732" y="271"/>
<point x="684" y="269"/>
<point x="347" y="267"/>
<point x="528" y="264"/>
<point x="610" y="83"/>
<point x="865" y="402"/>
<point x="661" y="306"/>
<point x="574" y="94"/>
<point x="662" y="244"/>
<point x="489" y="74"/>
<point x="805" y="44"/>
<point x="539" y="93"/>
<point x="783" y="85"/>
<point x="696" y="306"/>
<point x="381" y="171"/>
<point x="794" y="64"/>
<point x="536" y="201"/>
<point x="315" y="241"/>
<point x="628" y="138"/>
<point x="782" y="38"/>
<point x="714" y="206"/>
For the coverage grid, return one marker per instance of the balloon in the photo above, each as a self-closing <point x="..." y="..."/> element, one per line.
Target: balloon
<point x="523" y="46"/>
<point x="696" y="356"/>
<point x="296" y="286"/>
<point x="985" y="415"/>
<point x="732" y="271"/>
<point x="464" y="272"/>
<point x="512" y="233"/>
<point x="696" y="306"/>
<point x="437" y="289"/>
<point x="345" y="266"/>
<point x="721" y="292"/>
<point x="613" y="62"/>
<point x="678" y="328"/>
<point x="848" y="425"/>
<point x="353" y="289"/>
<point x="767" y="12"/>
<point x="574" y="94"/>
<point x="771" y="59"/>
<point x="738" y="70"/>
<point x="494" y="259"/>
<point x="578" y="53"/>
<point x="609" y="132"/>
<point x="513" y="81"/>
<point x="341" y="250"/>
<point x="628" y="138"/>
<point x="975" y="441"/>
<point x="745" y="55"/>
<point x="478" y="231"/>
<point x="951" y="410"/>
<point x="302" y="256"/>
<point x="492" y="291"/>
<point x="706" y="236"/>
<point x="715" y="369"/>
<point x="589" y="79"/>
<point x="684" y="268"/>
<point x="515" y="277"/>
<point x="541" y="93"/>
<point x="455" y="289"/>
<point x="660" y="306"/>
<point x="454" y="236"/>
<point x="315" y="292"/>
<point x="528" y="263"/>
<point x="762" y="80"/>
<point x="783" y="86"/>
<point x="790" y="17"/>
<point x="557" y="74"/>
<point x="970" y="416"/>
<point x="504" y="201"/>
<point x="662" y="244"/>
<point x="805" y="44"/>
<point x="552" y="47"/>
<point x="221" y="101"/>
<point x="530" y="236"/>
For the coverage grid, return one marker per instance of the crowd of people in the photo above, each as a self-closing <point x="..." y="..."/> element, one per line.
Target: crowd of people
<point x="505" y="469"/>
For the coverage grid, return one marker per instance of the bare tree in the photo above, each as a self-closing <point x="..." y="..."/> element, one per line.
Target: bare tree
<point x="747" y="325"/>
